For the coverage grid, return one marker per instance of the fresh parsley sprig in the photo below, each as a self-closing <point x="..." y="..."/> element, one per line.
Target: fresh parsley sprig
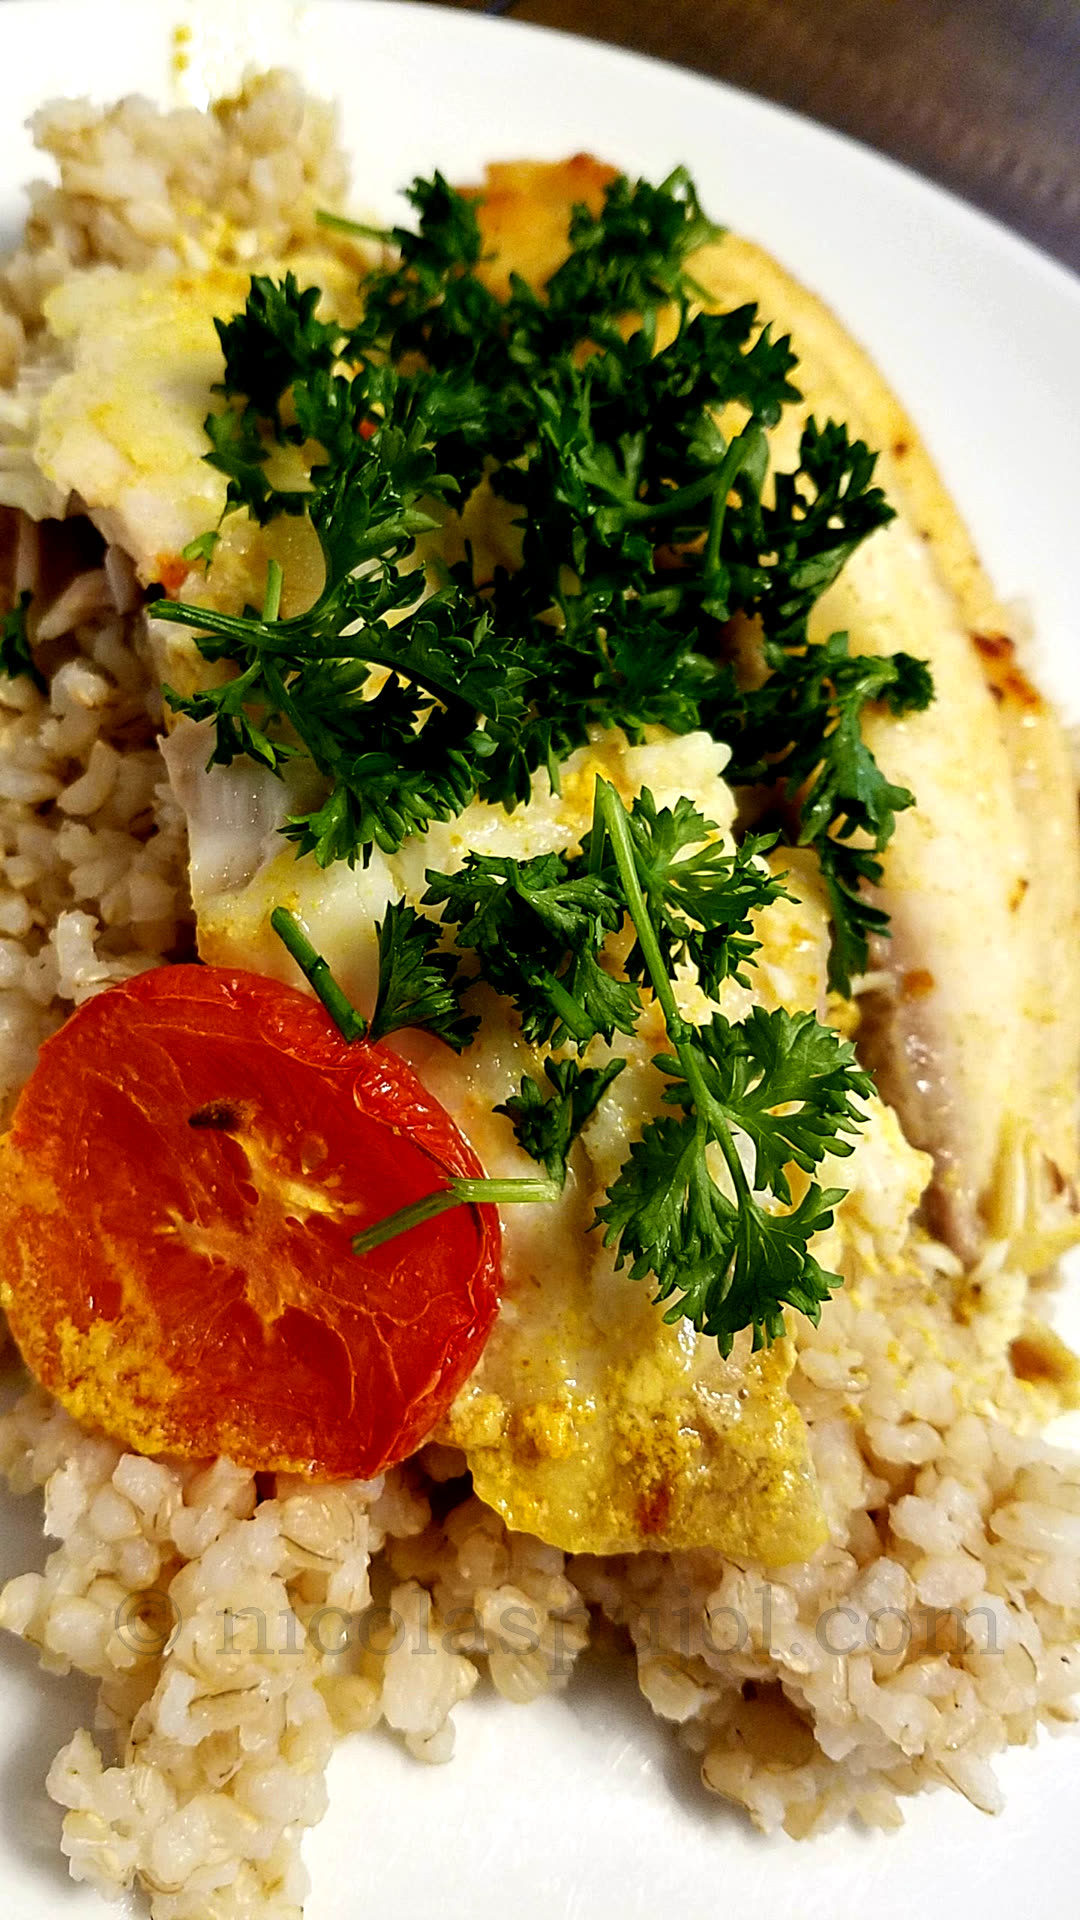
<point x="419" y="984"/>
<point x="631" y="257"/>
<point x="724" y="1259"/>
<point x="547" y="1122"/>
<point x="822" y="511"/>
<point x="642" y="524"/>
<point x="703" y="1204"/>
<point x="393" y="758"/>
<point x="538" y="928"/>
<point x="802" y="730"/>
<point x="700" y="904"/>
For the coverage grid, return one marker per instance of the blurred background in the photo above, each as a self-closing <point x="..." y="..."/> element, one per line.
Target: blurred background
<point x="982" y="95"/>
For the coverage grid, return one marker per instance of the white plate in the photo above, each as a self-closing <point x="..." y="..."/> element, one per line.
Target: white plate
<point x="581" y="1808"/>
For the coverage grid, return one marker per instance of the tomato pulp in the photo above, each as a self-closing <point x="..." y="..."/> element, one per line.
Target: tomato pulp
<point x="184" y="1174"/>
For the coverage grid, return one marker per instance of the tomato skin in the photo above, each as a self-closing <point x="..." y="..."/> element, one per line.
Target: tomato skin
<point x="184" y="1174"/>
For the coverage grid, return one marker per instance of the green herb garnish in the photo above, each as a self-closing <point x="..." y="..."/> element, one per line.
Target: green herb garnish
<point x="642" y="525"/>
<point x="802" y="729"/>
<point x="16" y="654"/>
<point x="414" y="687"/>
<point x="703" y="1204"/>
<point x="547" y="1122"/>
<point x="419" y="984"/>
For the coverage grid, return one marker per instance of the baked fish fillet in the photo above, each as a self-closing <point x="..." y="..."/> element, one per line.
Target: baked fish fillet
<point x="973" y="1027"/>
<point x="974" y="1032"/>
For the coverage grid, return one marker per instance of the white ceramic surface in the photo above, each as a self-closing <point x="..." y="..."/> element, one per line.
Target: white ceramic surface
<point x="581" y="1808"/>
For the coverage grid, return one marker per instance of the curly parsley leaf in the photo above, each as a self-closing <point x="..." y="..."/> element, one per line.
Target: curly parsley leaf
<point x="237" y="451"/>
<point x="419" y="983"/>
<point x="393" y="758"/>
<point x="821" y="512"/>
<point x="630" y="257"/>
<point x="724" y="1262"/>
<point x="547" y="1124"/>
<point x="275" y="341"/>
<point x="803" y="729"/>
<point x="538" y="928"/>
<point x="725" y="1258"/>
<point x="773" y="1059"/>
<point x="701" y="902"/>
<point x="848" y="872"/>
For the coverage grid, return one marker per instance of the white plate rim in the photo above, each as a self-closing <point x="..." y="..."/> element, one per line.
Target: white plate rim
<point x="629" y="1845"/>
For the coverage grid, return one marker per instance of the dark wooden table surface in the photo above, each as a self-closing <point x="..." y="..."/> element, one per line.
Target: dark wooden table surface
<point x="982" y="95"/>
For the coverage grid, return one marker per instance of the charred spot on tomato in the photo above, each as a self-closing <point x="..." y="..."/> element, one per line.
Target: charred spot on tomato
<point x="221" y="1116"/>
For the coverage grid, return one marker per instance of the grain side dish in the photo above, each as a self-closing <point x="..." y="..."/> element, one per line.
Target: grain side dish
<point x="539" y="1019"/>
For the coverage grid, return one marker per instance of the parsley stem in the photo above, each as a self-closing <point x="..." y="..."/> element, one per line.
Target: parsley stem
<point x="568" y="1010"/>
<point x="272" y="638"/>
<point x="227" y="626"/>
<point x="460" y="1192"/>
<point x="729" y="469"/>
<point x="340" y="223"/>
<point x="616" y="821"/>
<point x="279" y="693"/>
<point x="717" y="484"/>
<point x="679" y="501"/>
<point x="316" y="971"/>
<point x="664" y="600"/>
<point x="722" y="1134"/>
<point x="275" y="578"/>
